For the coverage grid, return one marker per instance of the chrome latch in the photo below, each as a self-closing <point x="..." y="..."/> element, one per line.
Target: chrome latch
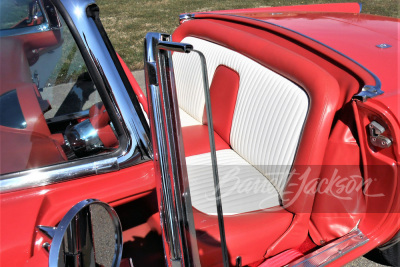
<point x="377" y="139"/>
<point x="185" y="17"/>
<point x="368" y="91"/>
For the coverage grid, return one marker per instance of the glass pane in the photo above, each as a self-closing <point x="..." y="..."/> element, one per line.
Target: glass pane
<point x="20" y="14"/>
<point x="51" y="111"/>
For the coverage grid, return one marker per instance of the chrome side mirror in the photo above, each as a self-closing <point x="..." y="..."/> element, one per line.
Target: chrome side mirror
<point x="90" y="234"/>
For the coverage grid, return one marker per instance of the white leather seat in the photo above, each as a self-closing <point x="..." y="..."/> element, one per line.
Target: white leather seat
<point x="267" y="123"/>
<point x="243" y="187"/>
<point x="186" y="119"/>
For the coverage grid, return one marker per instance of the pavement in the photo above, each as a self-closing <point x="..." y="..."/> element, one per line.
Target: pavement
<point x="139" y="76"/>
<point x="361" y="261"/>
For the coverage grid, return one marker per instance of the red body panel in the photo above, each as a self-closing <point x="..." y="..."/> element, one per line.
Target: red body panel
<point x="356" y="36"/>
<point x="136" y="88"/>
<point x="48" y="204"/>
<point x="335" y="7"/>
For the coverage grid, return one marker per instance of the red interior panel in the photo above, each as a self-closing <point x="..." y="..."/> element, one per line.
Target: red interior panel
<point x="33" y="146"/>
<point x="22" y="150"/>
<point x="13" y="64"/>
<point x="223" y="93"/>
<point x="296" y="64"/>
<point x="244" y="236"/>
<point x="339" y="201"/>
<point x="196" y="141"/>
<point x="100" y="120"/>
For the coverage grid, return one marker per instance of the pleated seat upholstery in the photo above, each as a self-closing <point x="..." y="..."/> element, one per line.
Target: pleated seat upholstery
<point x="243" y="187"/>
<point x="265" y="130"/>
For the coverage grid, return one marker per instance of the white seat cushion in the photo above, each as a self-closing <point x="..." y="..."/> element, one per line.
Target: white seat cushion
<point x="186" y="119"/>
<point x="243" y="187"/>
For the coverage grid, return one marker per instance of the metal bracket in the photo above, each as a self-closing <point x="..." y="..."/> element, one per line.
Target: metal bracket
<point x="375" y="135"/>
<point x="332" y="251"/>
<point x="368" y="91"/>
<point x="185" y="17"/>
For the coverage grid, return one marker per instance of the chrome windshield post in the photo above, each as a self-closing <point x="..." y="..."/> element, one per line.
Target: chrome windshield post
<point x="179" y="237"/>
<point x="176" y="213"/>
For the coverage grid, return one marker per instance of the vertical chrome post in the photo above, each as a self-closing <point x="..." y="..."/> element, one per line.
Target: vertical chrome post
<point x="174" y="198"/>
<point x="173" y="194"/>
<point x="214" y="159"/>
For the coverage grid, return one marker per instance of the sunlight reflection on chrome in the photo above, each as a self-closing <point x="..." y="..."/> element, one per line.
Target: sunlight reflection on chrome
<point x="39" y="241"/>
<point x="38" y="177"/>
<point x="78" y="12"/>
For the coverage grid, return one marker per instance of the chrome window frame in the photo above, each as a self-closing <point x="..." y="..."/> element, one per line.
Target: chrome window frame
<point x="117" y="96"/>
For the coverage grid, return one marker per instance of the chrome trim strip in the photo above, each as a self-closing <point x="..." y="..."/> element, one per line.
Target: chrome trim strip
<point x="185" y="17"/>
<point x="368" y="91"/>
<point x="168" y="214"/>
<point x="39" y="177"/>
<point x="72" y="116"/>
<point x="179" y="236"/>
<point x="43" y="27"/>
<point x="383" y="46"/>
<point x="333" y="251"/>
<point x="110" y="82"/>
<point x="210" y="127"/>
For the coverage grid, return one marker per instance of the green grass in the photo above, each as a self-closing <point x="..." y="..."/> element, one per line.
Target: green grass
<point x="128" y="21"/>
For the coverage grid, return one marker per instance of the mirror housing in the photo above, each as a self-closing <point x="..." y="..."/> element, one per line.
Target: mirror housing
<point x="90" y="234"/>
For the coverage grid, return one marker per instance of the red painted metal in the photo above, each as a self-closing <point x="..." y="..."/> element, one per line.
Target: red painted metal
<point x="334" y="7"/>
<point x="136" y="88"/>
<point x="22" y="211"/>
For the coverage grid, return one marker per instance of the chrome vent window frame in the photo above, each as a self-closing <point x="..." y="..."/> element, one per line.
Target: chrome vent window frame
<point x="135" y="144"/>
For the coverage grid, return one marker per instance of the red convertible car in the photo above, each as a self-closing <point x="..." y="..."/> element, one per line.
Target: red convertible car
<point x="265" y="137"/>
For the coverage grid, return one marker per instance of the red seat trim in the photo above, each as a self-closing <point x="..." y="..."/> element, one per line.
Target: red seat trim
<point x="223" y="93"/>
<point x="195" y="140"/>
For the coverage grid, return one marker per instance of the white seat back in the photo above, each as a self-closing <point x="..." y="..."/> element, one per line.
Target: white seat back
<point x="269" y="114"/>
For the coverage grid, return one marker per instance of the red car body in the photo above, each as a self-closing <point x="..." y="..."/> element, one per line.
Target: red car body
<point x="317" y="29"/>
